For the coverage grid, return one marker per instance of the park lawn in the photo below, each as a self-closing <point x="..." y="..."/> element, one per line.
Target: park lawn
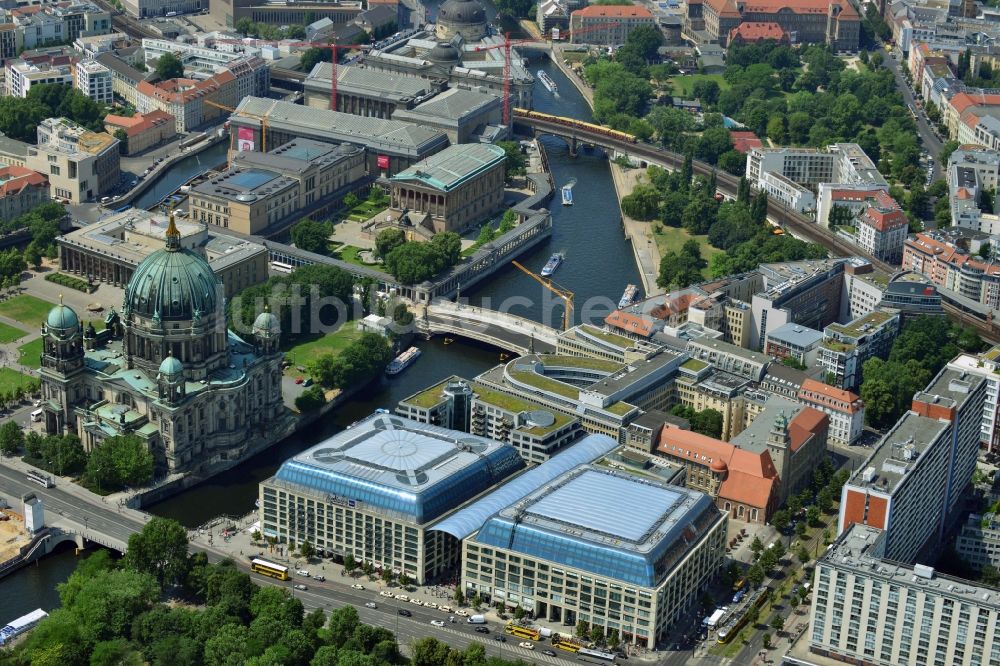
<point x="30" y="353"/>
<point x="305" y="352"/>
<point x="350" y="254"/>
<point x="26" y="309"/>
<point x="11" y="379"/>
<point x="673" y="238"/>
<point x="574" y="56"/>
<point x="684" y="85"/>
<point x="10" y="333"/>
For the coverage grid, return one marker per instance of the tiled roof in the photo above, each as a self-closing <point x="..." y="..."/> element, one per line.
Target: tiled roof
<point x="807" y="423"/>
<point x="743" y="141"/>
<point x="883" y="219"/>
<point x="964" y="100"/>
<point x="13" y="179"/>
<point x="753" y="31"/>
<point x="830" y="396"/>
<point x="630" y="322"/>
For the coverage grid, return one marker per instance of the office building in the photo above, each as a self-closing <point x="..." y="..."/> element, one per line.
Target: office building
<point x="845" y="409"/>
<point x="978" y="541"/>
<point x="375" y="490"/>
<point x="567" y="553"/>
<point x="745" y="363"/>
<point x="865" y="287"/>
<point x="125" y="78"/>
<point x="20" y="75"/>
<point x="390" y="145"/>
<point x="81" y="165"/>
<point x="142" y="131"/>
<point x="853" y="197"/>
<point x="795" y="342"/>
<point x="284" y="12"/>
<point x="700" y="386"/>
<point x="195" y="58"/>
<point x="143" y="9"/>
<point x="604" y="395"/>
<point x="870" y="608"/>
<point x="589" y="340"/>
<point x="536" y="432"/>
<point x="846" y="347"/>
<point x="988" y="367"/>
<point x="94" y="80"/>
<point x="911" y="483"/>
<point x="948" y="265"/>
<point x="452" y="190"/>
<point x="811" y="21"/>
<point x="21" y="190"/>
<point x="174" y="375"/>
<point x="881" y="231"/>
<point x="261" y="193"/>
<point x="111" y="249"/>
<point x="607" y="25"/>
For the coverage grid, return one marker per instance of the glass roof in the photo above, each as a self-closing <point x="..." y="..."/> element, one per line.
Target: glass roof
<point x="469" y="519"/>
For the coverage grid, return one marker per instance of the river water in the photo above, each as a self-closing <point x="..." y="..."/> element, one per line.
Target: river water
<point x="599" y="263"/>
<point x="181" y="173"/>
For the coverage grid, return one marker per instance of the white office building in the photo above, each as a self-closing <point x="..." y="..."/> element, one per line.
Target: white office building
<point x="94" y="80"/>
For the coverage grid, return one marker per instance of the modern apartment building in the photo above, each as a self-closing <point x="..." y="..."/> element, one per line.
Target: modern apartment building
<point x="536" y="432"/>
<point x="978" y="541"/>
<point x="569" y="552"/>
<point x="870" y="608"/>
<point x="947" y="265"/>
<point x="793" y="341"/>
<point x="81" y="165"/>
<point x="261" y="193"/>
<point x="845" y="409"/>
<point x="374" y="492"/>
<point x="20" y="76"/>
<point x="846" y="347"/>
<point x="912" y="481"/>
<point x="94" y="80"/>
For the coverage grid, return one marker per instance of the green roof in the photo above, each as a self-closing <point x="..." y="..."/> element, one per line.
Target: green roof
<point x="582" y="362"/>
<point x="992" y="354"/>
<point x="514" y="404"/>
<point x="694" y="365"/>
<point x="837" y="346"/>
<point x="545" y="383"/>
<point x="611" y="338"/>
<point x="453" y="166"/>
<point x="619" y="408"/>
<point x="428" y="397"/>
<point x="872" y="319"/>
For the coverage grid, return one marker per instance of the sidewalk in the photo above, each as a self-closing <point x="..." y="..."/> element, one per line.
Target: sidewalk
<point x="647" y="252"/>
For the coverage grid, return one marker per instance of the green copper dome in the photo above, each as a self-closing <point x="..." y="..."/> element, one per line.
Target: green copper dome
<point x="171" y="366"/>
<point x="267" y="325"/>
<point x="172" y="284"/>
<point x="62" y="318"/>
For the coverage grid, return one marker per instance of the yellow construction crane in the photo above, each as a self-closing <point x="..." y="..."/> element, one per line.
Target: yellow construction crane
<point x="561" y="292"/>
<point x="262" y="119"/>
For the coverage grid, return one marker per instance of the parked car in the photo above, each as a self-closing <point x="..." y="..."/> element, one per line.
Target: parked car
<point x="302" y="572"/>
<point x="319" y="578"/>
<point x="383" y="593"/>
<point x="359" y="586"/>
<point x="462" y="612"/>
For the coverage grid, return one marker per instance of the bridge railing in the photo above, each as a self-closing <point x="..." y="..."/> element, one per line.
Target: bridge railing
<point x="480" y="319"/>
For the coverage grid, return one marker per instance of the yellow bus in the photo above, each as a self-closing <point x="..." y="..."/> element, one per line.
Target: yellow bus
<point x="521" y="632"/>
<point x="265" y="568"/>
<point x="568" y="646"/>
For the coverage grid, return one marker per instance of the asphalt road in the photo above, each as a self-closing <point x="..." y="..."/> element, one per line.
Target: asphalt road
<point x="930" y="141"/>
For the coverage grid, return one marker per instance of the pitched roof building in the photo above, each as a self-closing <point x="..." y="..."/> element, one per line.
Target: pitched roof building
<point x="836" y="23"/>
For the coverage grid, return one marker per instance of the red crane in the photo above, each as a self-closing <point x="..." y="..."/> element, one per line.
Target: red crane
<point x="506" y="46"/>
<point x="315" y="45"/>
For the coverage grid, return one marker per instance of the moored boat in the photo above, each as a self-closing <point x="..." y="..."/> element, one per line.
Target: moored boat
<point x="629" y="297"/>
<point x="403" y="361"/>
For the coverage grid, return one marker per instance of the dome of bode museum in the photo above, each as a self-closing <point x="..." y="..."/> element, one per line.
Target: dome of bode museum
<point x="461" y="17"/>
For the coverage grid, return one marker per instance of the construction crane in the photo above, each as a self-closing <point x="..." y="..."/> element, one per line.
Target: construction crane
<point x="565" y="294"/>
<point x="313" y="45"/>
<point x="262" y="119"/>
<point x="507" y="44"/>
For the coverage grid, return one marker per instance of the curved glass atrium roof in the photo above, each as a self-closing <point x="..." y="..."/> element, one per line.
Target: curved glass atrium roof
<point x="587" y="519"/>
<point x="467" y="520"/>
<point x="398" y="466"/>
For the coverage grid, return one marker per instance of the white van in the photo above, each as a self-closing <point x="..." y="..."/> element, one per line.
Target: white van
<point x="36" y="415"/>
<point x="477" y="619"/>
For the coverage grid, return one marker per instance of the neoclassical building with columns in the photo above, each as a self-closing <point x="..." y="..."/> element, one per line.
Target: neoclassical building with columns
<point x="170" y="371"/>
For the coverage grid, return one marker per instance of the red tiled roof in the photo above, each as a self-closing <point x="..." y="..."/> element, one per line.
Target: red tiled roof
<point x="724" y="8"/>
<point x="963" y="101"/>
<point x="16" y="178"/>
<point x="830" y="396"/>
<point x="847" y="11"/>
<point x="614" y="11"/>
<point x="755" y="31"/>
<point x="630" y="322"/>
<point x="807" y="423"/>
<point x="883" y="220"/>
<point x="743" y="141"/>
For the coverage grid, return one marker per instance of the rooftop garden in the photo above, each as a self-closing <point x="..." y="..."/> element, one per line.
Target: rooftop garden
<point x="516" y="405"/>
<point x="544" y="383"/>
<point x="428" y="397"/>
<point x="610" y="338"/>
<point x="694" y="365"/>
<point x="583" y="362"/>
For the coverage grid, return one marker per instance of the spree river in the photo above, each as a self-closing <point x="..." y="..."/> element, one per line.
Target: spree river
<point x="599" y="263"/>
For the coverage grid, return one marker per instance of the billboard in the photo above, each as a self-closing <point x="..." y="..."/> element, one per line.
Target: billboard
<point x="244" y="139"/>
<point x="383" y="162"/>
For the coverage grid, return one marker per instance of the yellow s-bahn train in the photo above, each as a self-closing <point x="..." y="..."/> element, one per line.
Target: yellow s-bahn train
<point x="579" y="124"/>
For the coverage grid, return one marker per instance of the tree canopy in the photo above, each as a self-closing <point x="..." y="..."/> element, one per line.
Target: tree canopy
<point x="413" y="262"/>
<point x="169" y="66"/>
<point x="312" y="236"/>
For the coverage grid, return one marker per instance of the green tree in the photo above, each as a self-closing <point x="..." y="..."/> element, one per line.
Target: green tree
<point x="486" y="234"/>
<point x="755" y="575"/>
<point x="780" y="520"/>
<point x="11" y="438"/>
<point x="404" y="580"/>
<point x="429" y="651"/>
<point x="387" y="240"/>
<point x="802" y="555"/>
<point x="458" y="597"/>
<point x="311" y="56"/>
<point x="642" y="203"/>
<point x="342" y="624"/>
<point x="515" y="161"/>
<point x="169" y="66"/>
<point x="306" y="549"/>
<point x="777" y="623"/>
<point x="312" y="236"/>
<point x="582" y="629"/>
<point x="63" y="454"/>
<point x="813" y="516"/>
<point x="160" y="550"/>
<point x="310" y="400"/>
<point x="756" y="546"/>
<point x="231" y="645"/>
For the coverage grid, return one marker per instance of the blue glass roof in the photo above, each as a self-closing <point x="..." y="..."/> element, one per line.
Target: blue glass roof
<point x="587" y="519"/>
<point x="251" y="179"/>
<point x="469" y="519"/>
<point x="411" y="469"/>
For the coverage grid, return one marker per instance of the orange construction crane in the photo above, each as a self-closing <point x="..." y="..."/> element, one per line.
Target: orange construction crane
<point x="506" y="46"/>
<point x="561" y="292"/>
<point x="313" y="45"/>
<point x="262" y="119"/>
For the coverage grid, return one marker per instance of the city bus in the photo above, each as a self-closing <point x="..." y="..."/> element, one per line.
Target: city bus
<point x="597" y="654"/>
<point x="280" y="267"/>
<point x="43" y="480"/>
<point x="568" y="646"/>
<point x="265" y="568"/>
<point x="521" y="632"/>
